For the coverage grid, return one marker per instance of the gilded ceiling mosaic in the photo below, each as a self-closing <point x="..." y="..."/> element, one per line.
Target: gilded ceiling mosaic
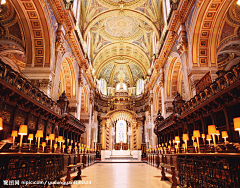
<point x="121" y="30"/>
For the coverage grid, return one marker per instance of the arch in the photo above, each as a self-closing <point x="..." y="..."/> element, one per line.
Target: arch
<point x="37" y="36"/>
<point x="126" y="115"/>
<point x="174" y="78"/>
<point x="115" y="12"/>
<point x="206" y="32"/>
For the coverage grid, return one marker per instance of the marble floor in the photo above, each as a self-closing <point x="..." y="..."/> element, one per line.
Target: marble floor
<point x="121" y="175"/>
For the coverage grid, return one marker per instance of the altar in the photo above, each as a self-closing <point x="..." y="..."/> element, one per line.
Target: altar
<point x="121" y="154"/>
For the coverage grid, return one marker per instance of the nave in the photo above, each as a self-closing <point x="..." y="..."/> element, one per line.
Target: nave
<point x="121" y="175"/>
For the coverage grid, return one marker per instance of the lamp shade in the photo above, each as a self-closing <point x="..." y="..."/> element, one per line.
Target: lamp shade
<point x="224" y="134"/>
<point x="185" y="137"/>
<point x="39" y="134"/>
<point x="217" y="132"/>
<point x="30" y="137"/>
<point x="64" y="146"/>
<point x="44" y="144"/>
<point x="51" y="136"/>
<point x="193" y="138"/>
<point x="183" y="145"/>
<point x="23" y="130"/>
<point x="195" y="144"/>
<point x="55" y="145"/>
<point x="14" y="133"/>
<point x="70" y="147"/>
<point x="1" y="123"/>
<point x="203" y="136"/>
<point x="47" y="138"/>
<point x="236" y="122"/>
<point x="60" y="138"/>
<point x="209" y="137"/>
<point x="212" y="129"/>
<point x="177" y="139"/>
<point x="196" y="133"/>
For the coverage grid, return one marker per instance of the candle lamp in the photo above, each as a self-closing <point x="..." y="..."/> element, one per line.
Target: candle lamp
<point x="184" y="147"/>
<point x="30" y="138"/>
<point x="70" y="148"/>
<point x="196" y="134"/>
<point x="1" y="123"/>
<point x="169" y="148"/>
<point x="23" y="131"/>
<point x="225" y="136"/>
<point x="212" y="131"/>
<point x="64" y="146"/>
<point x="203" y="137"/>
<point x="39" y="135"/>
<point x="209" y="138"/>
<point x="55" y="148"/>
<point x="185" y="139"/>
<point x="51" y="138"/>
<point x="14" y="134"/>
<point x="177" y="140"/>
<point x="47" y="138"/>
<point x="195" y="145"/>
<point x="176" y="147"/>
<point x="193" y="139"/>
<point x="60" y="140"/>
<point x="236" y="122"/>
<point x="43" y="145"/>
<point x="67" y="141"/>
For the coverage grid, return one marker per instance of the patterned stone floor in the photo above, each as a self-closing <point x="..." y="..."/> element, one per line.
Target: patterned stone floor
<point x="121" y="175"/>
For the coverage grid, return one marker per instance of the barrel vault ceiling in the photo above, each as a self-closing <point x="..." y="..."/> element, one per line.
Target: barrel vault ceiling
<point x="121" y="34"/>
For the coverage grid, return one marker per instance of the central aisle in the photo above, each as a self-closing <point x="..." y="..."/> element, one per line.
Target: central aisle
<point x="122" y="175"/>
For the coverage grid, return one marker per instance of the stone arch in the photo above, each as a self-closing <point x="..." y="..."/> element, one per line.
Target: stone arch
<point x="67" y="63"/>
<point x="174" y="77"/>
<point x="206" y="32"/>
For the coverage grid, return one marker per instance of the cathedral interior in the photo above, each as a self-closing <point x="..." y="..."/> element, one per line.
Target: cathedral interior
<point x="140" y="82"/>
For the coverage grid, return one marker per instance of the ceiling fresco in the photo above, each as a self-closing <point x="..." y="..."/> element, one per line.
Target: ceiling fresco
<point x="121" y="30"/>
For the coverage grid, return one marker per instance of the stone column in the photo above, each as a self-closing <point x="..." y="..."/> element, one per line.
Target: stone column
<point x="104" y="134"/>
<point x="182" y="51"/>
<point x="138" y="135"/>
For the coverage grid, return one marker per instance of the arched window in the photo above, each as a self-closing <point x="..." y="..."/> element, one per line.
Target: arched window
<point x="102" y="86"/>
<point x="124" y="86"/>
<point x="140" y="86"/>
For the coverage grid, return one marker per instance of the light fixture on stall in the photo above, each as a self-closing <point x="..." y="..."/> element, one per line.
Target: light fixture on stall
<point x="1" y="123"/>
<point x="203" y="137"/>
<point x="14" y="134"/>
<point x="60" y="140"/>
<point x="236" y="122"/>
<point x="64" y="146"/>
<point x="212" y="131"/>
<point x="2" y="3"/>
<point x="30" y="138"/>
<point x="43" y="145"/>
<point x="196" y="134"/>
<point x="238" y="2"/>
<point x="55" y="148"/>
<point x="225" y="135"/>
<point x="51" y="138"/>
<point x="39" y="135"/>
<point x="195" y="145"/>
<point x="209" y="138"/>
<point x="177" y="140"/>
<point x="185" y="139"/>
<point x="23" y="131"/>
<point x="47" y="138"/>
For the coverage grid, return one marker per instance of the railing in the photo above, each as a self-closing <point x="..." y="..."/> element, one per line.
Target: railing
<point x="209" y="170"/>
<point x="77" y="122"/>
<point x="226" y="81"/>
<point x="16" y="170"/>
<point x="22" y="84"/>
